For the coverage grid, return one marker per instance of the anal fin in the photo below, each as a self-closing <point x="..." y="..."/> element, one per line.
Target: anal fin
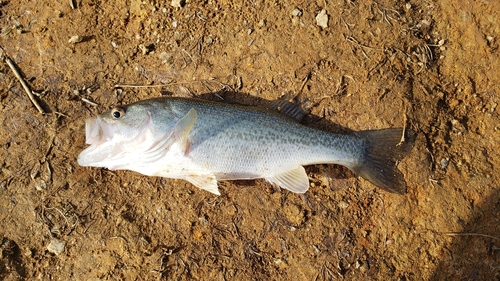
<point x="295" y="180"/>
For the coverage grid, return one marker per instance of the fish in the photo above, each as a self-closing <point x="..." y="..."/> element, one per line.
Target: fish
<point x="204" y="142"/>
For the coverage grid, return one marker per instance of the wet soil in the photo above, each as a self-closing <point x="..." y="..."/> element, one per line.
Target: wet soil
<point x="432" y="66"/>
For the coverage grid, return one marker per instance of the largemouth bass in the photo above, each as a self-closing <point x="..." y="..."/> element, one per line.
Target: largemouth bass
<point x="205" y="141"/>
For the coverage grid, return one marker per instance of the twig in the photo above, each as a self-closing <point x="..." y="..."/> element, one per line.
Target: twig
<point x="153" y="86"/>
<point x="470" y="234"/>
<point x="10" y="63"/>
<point x="60" y="114"/>
<point x="304" y="82"/>
<point x="139" y="86"/>
<point x="89" y="102"/>
<point x="62" y="214"/>
<point x="404" y="129"/>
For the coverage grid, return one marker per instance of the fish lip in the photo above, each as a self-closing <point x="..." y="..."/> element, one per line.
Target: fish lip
<point x="92" y="131"/>
<point x="98" y="130"/>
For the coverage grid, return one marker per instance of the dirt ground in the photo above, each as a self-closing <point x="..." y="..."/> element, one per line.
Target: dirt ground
<point x="428" y="65"/>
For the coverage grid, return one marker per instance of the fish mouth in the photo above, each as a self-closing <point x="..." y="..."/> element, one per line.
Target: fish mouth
<point x="97" y="134"/>
<point x="97" y="131"/>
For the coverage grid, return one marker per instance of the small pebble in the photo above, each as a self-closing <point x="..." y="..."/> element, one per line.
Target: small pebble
<point x="56" y="246"/>
<point x="40" y="185"/>
<point x="322" y="19"/>
<point x="444" y="163"/>
<point x="75" y="39"/>
<point x="426" y="22"/>
<point x="296" y="12"/>
<point x="143" y="49"/>
<point x="343" y="205"/>
<point x="177" y="3"/>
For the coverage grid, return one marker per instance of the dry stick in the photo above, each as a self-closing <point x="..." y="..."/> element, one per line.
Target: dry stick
<point x="404" y="128"/>
<point x="25" y="86"/>
<point x="89" y="102"/>
<point x="152" y="86"/>
<point x="470" y="234"/>
<point x="304" y="82"/>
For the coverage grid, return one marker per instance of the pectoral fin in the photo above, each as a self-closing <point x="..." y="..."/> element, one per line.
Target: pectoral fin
<point x="182" y="129"/>
<point x="295" y="180"/>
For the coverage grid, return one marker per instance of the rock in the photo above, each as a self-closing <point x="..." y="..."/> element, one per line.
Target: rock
<point x="296" y="12"/>
<point x="56" y="246"/>
<point x="343" y="205"/>
<point x="178" y="3"/>
<point x="444" y="163"/>
<point x="40" y="185"/>
<point x="322" y="19"/>
<point x="75" y="39"/>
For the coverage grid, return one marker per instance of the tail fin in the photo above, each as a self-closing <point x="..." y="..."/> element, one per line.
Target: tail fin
<point x="384" y="148"/>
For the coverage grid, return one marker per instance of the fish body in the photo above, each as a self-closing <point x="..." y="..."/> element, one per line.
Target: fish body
<point x="205" y="141"/>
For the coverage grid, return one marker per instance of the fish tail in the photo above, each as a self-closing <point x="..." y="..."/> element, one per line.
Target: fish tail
<point x="383" y="150"/>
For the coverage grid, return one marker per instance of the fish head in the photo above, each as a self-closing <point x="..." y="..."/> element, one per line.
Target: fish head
<point x="116" y="136"/>
<point x="120" y="124"/>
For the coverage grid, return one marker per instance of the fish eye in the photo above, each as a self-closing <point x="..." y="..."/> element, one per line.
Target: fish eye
<point x="117" y="112"/>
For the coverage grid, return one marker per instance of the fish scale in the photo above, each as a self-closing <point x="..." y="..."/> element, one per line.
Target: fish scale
<point x="262" y="139"/>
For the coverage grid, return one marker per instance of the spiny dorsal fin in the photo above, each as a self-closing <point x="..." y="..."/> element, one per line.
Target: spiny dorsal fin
<point x="286" y="105"/>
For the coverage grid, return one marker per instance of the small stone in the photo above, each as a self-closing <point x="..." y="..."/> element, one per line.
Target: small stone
<point x="143" y="49"/>
<point x="56" y="246"/>
<point x="296" y="12"/>
<point x="343" y="205"/>
<point x="146" y="49"/>
<point x="362" y="266"/>
<point x="40" y="185"/>
<point x="75" y="39"/>
<point x="36" y="169"/>
<point x="426" y="22"/>
<point x="444" y="163"/>
<point x="322" y="19"/>
<point x="178" y="3"/>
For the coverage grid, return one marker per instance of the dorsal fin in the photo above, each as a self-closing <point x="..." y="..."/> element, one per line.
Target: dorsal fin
<point x="288" y="106"/>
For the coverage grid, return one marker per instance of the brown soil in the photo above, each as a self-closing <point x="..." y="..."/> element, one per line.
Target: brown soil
<point x="429" y="65"/>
